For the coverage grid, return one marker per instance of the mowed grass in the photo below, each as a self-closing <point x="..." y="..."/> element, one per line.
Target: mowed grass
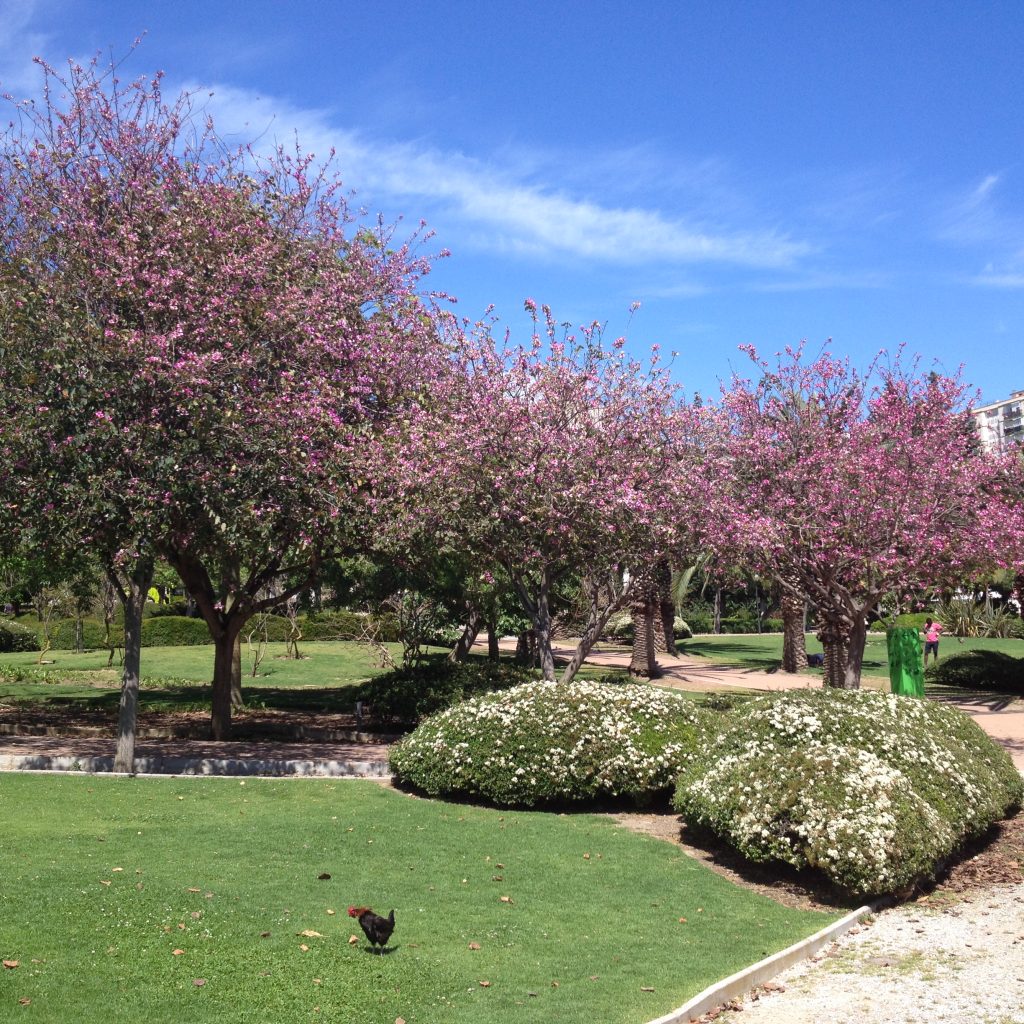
<point x="323" y="679"/>
<point x="104" y="879"/>
<point x="764" y="651"/>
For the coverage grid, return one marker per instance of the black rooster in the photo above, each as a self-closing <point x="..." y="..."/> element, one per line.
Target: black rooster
<point x="376" y="928"/>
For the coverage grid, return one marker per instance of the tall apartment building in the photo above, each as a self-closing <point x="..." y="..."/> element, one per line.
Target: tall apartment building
<point x="1001" y="424"/>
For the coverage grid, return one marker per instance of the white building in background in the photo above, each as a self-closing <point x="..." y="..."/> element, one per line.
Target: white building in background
<point x="1001" y="424"/>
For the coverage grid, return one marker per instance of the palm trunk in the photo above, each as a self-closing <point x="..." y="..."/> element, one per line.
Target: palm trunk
<point x="643" y="663"/>
<point x="794" y="642"/>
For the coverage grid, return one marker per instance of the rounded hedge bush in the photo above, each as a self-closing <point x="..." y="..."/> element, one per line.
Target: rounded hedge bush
<point x="872" y="789"/>
<point x="16" y="637"/>
<point x="979" y="670"/>
<point x="174" y="631"/>
<point x="411" y="693"/>
<point x="342" y="625"/>
<point x="543" y="742"/>
<point x="62" y="634"/>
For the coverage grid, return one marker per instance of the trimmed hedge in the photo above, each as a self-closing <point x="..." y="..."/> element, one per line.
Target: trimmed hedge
<point x="347" y="626"/>
<point x="409" y="694"/>
<point x="16" y="637"/>
<point x="544" y="742"/>
<point x="871" y="789"/>
<point x="979" y="670"/>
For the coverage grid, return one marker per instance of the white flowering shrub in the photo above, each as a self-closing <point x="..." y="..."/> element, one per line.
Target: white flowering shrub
<point x="872" y="789"/>
<point x="546" y="741"/>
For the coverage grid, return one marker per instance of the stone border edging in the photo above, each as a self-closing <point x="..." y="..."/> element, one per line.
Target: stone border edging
<point x="757" y="974"/>
<point x="207" y="766"/>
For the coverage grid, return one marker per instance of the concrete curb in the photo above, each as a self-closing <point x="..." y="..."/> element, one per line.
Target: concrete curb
<point x="757" y="974"/>
<point x="170" y="765"/>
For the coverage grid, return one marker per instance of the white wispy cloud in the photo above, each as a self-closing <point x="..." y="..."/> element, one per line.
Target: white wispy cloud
<point x="514" y="215"/>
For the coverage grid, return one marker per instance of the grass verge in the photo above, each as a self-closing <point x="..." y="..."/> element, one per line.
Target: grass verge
<point x="106" y="878"/>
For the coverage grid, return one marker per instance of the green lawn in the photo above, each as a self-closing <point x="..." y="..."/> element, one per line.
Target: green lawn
<point x="764" y="650"/>
<point x="177" y="678"/>
<point x="104" y="879"/>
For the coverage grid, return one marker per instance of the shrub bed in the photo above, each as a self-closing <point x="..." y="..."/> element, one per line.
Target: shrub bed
<point x="543" y="742"/>
<point x="409" y="694"/>
<point x="871" y="789"/>
<point x="979" y="670"/>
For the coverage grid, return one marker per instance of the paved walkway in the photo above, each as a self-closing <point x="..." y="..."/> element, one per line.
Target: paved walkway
<point x="1002" y="720"/>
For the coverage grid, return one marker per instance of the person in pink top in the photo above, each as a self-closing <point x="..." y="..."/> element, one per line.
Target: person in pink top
<point x="932" y="631"/>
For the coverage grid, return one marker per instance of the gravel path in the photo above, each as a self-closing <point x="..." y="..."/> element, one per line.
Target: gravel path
<point x="941" y="961"/>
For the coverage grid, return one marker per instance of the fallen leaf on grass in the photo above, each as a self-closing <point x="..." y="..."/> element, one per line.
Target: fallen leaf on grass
<point x="304" y="947"/>
<point x="646" y="988"/>
<point x="485" y="984"/>
<point x="104" y="881"/>
<point x="474" y="945"/>
<point x="308" y="933"/>
<point x="331" y="913"/>
<point x="193" y="890"/>
<point x="24" y="1001"/>
<point x="199" y="982"/>
<point x="497" y="878"/>
<point x="177" y="952"/>
<point x="586" y="856"/>
<point x="505" y="899"/>
<point x="682" y="920"/>
<point x="11" y="964"/>
<point x="399" y="1020"/>
<point x="324" y="876"/>
<point x="264" y="935"/>
<point x="555" y="984"/>
<point x="353" y="939"/>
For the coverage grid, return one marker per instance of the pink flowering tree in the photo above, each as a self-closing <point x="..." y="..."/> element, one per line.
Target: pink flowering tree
<point x="849" y="487"/>
<point x="201" y="343"/>
<point x="557" y="458"/>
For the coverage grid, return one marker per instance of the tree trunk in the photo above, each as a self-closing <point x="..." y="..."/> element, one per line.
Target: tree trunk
<point x="542" y="630"/>
<point x="133" y="597"/>
<point x="493" y="650"/>
<point x="224" y="646"/>
<point x="794" y="642"/>
<point x="597" y="619"/>
<point x="718" y="611"/>
<point x="537" y="607"/>
<point x="470" y="632"/>
<point x="236" y="673"/>
<point x="526" y="649"/>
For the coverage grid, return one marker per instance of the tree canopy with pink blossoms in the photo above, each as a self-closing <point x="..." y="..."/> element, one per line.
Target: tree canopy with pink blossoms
<point x="855" y="486"/>
<point x="197" y="345"/>
<point x="543" y="460"/>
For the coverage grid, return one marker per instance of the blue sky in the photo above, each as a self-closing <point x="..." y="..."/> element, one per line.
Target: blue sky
<point x="751" y="173"/>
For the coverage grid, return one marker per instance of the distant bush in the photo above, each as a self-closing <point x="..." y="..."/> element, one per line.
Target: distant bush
<point x="909" y="620"/>
<point x="16" y="637"/>
<point x="155" y="611"/>
<point x="871" y="789"/>
<point x="409" y="694"/>
<point x="348" y="626"/>
<point x="174" y="631"/>
<point x="62" y="634"/>
<point x="543" y="742"/>
<point x="979" y="670"/>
